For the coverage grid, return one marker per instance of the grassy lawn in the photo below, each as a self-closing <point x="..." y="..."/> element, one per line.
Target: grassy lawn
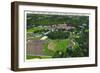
<point x="37" y="57"/>
<point x="34" y="29"/>
<point x="60" y="44"/>
<point x="55" y="45"/>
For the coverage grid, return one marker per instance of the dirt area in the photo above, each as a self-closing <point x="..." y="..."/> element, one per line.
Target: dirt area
<point x="35" y="47"/>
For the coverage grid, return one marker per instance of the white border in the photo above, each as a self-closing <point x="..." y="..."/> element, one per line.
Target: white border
<point x="62" y="61"/>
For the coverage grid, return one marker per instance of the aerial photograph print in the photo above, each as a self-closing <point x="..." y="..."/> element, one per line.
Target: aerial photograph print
<point x="50" y="36"/>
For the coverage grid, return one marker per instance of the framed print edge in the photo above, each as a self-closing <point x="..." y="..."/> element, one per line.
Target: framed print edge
<point x="15" y="34"/>
<point x="96" y="36"/>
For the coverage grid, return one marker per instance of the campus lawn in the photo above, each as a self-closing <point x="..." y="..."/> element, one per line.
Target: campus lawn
<point x="28" y="57"/>
<point x="55" y="45"/>
<point x="34" y="29"/>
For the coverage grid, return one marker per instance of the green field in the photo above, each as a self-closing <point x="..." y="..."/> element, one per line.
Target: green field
<point x="34" y="29"/>
<point x="55" y="45"/>
<point x="37" y="57"/>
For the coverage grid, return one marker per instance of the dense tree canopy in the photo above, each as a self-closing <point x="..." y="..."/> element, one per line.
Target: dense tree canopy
<point x="41" y="19"/>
